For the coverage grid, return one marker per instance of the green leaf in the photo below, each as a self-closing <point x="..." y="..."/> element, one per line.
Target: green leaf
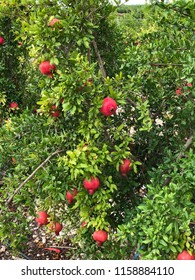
<point x="66" y="106"/>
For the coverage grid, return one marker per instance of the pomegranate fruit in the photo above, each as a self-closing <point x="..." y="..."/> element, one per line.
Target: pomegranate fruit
<point x="13" y="105"/>
<point x="184" y="255"/>
<point x="53" y="21"/>
<point x="83" y="224"/>
<point x="100" y="236"/>
<point x="125" y="167"/>
<point x="55" y="114"/>
<point x="46" y="68"/>
<point x="109" y="106"/>
<point x="56" y="227"/>
<point x="91" y="185"/>
<point x="55" y="111"/>
<point x="1" y="40"/>
<point x="70" y="196"/>
<point x="179" y="91"/>
<point x="42" y="218"/>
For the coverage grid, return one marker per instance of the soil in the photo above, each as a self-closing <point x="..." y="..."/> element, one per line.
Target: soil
<point x="36" y="247"/>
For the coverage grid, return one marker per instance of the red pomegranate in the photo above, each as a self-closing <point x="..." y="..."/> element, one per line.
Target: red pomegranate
<point x="91" y="185"/>
<point x="53" y="21"/>
<point x="56" y="227"/>
<point x="109" y="106"/>
<point x="46" y="68"/>
<point x="54" y="111"/>
<point x="42" y="218"/>
<point x="83" y="224"/>
<point x="100" y="236"/>
<point x="179" y="91"/>
<point x="125" y="167"/>
<point x="184" y="255"/>
<point x="56" y="114"/>
<point x="1" y="40"/>
<point x="70" y="196"/>
<point x="13" y="105"/>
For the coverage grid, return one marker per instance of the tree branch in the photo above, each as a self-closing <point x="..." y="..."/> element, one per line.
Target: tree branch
<point x="166" y="64"/>
<point x="129" y="100"/>
<point x="186" y="147"/>
<point x="32" y="174"/>
<point x="187" y="144"/>
<point x="100" y="62"/>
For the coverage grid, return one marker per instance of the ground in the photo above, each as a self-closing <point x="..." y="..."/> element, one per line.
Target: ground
<point x="35" y="249"/>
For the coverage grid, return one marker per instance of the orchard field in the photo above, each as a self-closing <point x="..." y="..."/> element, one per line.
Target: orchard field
<point x="97" y="123"/>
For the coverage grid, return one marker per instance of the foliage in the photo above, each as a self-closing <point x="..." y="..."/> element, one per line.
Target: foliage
<point x="140" y="61"/>
<point x="166" y="213"/>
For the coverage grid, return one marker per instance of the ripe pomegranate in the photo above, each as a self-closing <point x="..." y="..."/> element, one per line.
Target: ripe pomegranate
<point x="125" y="167"/>
<point x="91" y="185"/>
<point x="189" y="85"/>
<point x="179" y="91"/>
<point x="100" y="236"/>
<point x="83" y="224"/>
<point x="55" y="112"/>
<point x="42" y="218"/>
<point x="184" y="255"/>
<point x="57" y="227"/>
<point x="13" y="105"/>
<point x="1" y="40"/>
<point x="35" y="111"/>
<point x="70" y="197"/>
<point x="109" y="106"/>
<point x="53" y="21"/>
<point x="46" y="68"/>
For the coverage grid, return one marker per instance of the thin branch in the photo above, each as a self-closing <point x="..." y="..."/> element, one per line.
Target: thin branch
<point x="166" y="64"/>
<point x="188" y="144"/>
<point x="129" y="100"/>
<point x="64" y="247"/>
<point x="32" y="174"/>
<point x="186" y="147"/>
<point x="100" y="62"/>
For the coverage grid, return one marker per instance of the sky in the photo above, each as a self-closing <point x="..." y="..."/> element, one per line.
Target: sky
<point x="135" y="2"/>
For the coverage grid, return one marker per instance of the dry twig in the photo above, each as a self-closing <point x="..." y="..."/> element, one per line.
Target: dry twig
<point x="32" y="174"/>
